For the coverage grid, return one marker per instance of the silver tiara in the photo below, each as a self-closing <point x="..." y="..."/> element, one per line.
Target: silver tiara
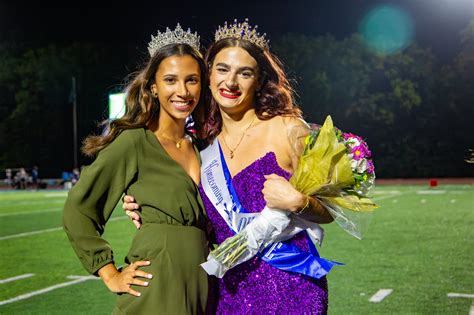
<point x="242" y="31"/>
<point x="178" y="36"/>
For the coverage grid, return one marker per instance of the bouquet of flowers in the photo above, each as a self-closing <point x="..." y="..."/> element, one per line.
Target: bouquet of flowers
<point x="333" y="166"/>
<point x="337" y="168"/>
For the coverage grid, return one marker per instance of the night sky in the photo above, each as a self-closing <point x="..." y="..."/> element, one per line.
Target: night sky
<point x="436" y="22"/>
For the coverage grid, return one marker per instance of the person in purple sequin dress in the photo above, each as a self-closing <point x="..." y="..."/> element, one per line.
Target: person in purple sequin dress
<point x="250" y="115"/>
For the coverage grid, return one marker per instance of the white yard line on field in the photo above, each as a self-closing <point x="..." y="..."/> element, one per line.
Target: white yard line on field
<point x="9" y="204"/>
<point x="64" y="194"/>
<point x="471" y="311"/>
<point x="380" y="295"/>
<point x="29" y="212"/>
<point x="409" y="191"/>
<point x="385" y="197"/>
<point x="392" y="196"/>
<point x="7" y="237"/>
<point x="388" y="192"/>
<point x="461" y="295"/>
<point x="27" y="275"/>
<point x="431" y="192"/>
<point x="78" y="279"/>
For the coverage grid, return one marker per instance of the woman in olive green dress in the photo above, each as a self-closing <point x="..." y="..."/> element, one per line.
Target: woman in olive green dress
<point x="147" y="154"/>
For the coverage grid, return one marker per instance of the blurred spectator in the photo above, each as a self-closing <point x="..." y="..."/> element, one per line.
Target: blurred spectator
<point x="66" y="180"/>
<point x="75" y="176"/>
<point x="8" y="178"/>
<point x="470" y="158"/>
<point x="35" y="177"/>
<point x="69" y="179"/>
<point x="21" y="179"/>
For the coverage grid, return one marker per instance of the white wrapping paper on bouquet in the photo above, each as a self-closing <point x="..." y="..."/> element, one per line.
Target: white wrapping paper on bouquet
<point x="269" y="226"/>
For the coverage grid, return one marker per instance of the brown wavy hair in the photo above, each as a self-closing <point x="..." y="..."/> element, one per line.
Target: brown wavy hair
<point x="276" y="96"/>
<point x="141" y="107"/>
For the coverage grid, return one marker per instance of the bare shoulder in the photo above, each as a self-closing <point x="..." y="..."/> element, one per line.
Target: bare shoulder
<point x="282" y="126"/>
<point x="286" y="122"/>
<point x="291" y="127"/>
<point x="292" y="122"/>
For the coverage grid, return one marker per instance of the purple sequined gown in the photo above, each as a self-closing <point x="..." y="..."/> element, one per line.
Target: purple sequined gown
<point x="254" y="286"/>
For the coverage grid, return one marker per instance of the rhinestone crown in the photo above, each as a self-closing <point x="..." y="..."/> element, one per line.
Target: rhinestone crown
<point x="242" y="31"/>
<point x="178" y="36"/>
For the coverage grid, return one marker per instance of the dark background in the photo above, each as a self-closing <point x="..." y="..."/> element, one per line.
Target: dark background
<point x="414" y="106"/>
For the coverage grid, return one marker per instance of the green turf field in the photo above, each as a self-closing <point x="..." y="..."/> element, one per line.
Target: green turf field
<point x="420" y="244"/>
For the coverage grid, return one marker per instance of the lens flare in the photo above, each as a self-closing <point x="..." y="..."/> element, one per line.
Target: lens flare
<point x="387" y="29"/>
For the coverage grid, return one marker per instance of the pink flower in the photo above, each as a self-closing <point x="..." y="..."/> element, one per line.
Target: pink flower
<point x="370" y="167"/>
<point x="360" y="152"/>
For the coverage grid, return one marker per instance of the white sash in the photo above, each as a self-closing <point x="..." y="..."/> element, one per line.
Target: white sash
<point x="214" y="184"/>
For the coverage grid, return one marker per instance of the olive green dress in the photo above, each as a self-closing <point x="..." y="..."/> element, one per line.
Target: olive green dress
<point x="172" y="235"/>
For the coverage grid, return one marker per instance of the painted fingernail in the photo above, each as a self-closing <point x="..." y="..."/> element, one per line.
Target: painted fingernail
<point x="149" y="276"/>
<point x="136" y="206"/>
<point x="148" y="262"/>
<point x="139" y="294"/>
<point x="145" y="284"/>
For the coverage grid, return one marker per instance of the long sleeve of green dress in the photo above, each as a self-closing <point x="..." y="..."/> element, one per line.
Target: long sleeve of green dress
<point x="91" y="201"/>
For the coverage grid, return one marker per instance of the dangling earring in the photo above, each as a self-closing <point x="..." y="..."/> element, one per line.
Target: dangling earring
<point x="257" y="93"/>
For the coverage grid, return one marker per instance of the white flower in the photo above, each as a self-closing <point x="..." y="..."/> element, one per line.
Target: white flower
<point x="354" y="164"/>
<point x="352" y="142"/>
<point x="361" y="166"/>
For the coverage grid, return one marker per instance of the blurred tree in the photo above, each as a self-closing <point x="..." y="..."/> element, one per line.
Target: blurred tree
<point x="330" y="75"/>
<point x="455" y="107"/>
<point x="36" y="120"/>
<point x="378" y="97"/>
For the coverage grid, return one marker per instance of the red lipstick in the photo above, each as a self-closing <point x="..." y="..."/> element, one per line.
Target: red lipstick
<point x="229" y="94"/>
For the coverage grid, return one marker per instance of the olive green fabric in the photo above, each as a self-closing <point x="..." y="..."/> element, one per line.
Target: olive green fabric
<point x="172" y="235"/>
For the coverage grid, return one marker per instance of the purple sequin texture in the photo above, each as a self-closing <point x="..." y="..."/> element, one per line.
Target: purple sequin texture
<point x="255" y="287"/>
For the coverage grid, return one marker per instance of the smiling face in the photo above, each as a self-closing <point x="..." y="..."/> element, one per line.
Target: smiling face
<point x="234" y="79"/>
<point x="178" y="86"/>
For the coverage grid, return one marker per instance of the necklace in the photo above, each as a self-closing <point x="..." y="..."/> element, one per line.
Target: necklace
<point x="177" y="143"/>
<point x="241" y="138"/>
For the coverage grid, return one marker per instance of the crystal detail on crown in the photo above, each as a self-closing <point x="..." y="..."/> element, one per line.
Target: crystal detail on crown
<point x="178" y="36"/>
<point x="242" y="31"/>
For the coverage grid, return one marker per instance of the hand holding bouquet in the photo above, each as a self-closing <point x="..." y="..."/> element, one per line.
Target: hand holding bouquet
<point x="337" y="168"/>
<point x="334" y="167"/>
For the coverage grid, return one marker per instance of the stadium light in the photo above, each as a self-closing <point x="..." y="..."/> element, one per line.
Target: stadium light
<point x="116" y="105"/>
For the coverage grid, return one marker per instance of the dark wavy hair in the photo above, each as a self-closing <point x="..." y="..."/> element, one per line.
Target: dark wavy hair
<point x="275" y="97"/>
<point x="141" y="107"/>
